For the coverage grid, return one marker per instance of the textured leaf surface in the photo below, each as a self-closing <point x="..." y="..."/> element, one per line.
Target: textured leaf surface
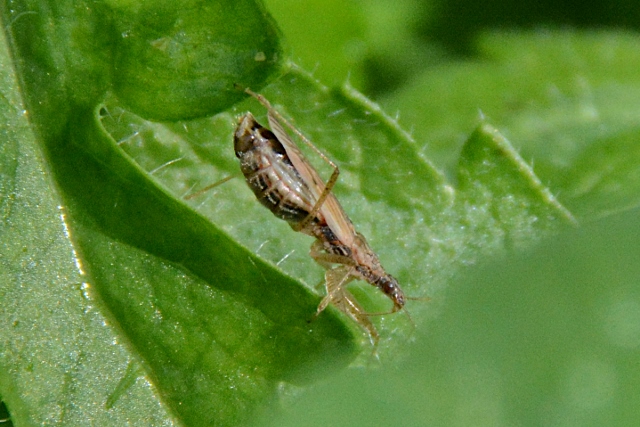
<point x="569" y="99"/>
<point x="548" y="336"/>
<point x="103" y="261"/>
<point x="122" y="304"/>
<point x="423" y="228"/>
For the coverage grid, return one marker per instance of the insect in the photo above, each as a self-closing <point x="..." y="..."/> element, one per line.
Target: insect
<point x="286" y="183"/>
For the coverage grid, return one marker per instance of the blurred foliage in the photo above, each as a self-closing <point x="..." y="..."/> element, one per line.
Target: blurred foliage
<point x="544" y="337"/>
<point x="549" y="336"/>
<point x="380" y="44"/>
<point x="121" y="304"/>
<point x="456" y="23"/>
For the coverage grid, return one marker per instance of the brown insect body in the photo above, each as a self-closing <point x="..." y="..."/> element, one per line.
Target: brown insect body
<point x="286" y="183"/>
<point x="269" y="172"/>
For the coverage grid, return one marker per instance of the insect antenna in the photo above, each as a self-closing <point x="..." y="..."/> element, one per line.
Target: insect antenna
<point x="209" y="187"/>
<point x="395" y="309"/>
<point x="425" y="299"/>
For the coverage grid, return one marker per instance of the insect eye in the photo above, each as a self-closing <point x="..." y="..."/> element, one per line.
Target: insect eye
<point x="386" y="285"/>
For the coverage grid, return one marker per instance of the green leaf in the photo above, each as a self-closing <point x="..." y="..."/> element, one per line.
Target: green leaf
<point x="210" y="45"/>
<point x="547" y="336"/>
<point x="152" y="311"/>
<point x="59" y="356"/>
<point x="421" y="226"/>
<point x="111" y="283"/>
<point x="375" y="45"/>
<point x="568" y="98"/>
<point x="314" y="30"/>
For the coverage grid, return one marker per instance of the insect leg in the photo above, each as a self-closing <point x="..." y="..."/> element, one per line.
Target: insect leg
<point x="325" y="259"/>
<point x="346" y="303"/>
<point x="335" y="281"/>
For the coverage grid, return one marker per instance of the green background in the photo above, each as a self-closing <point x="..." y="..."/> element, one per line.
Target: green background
<point x="496" y="173"/>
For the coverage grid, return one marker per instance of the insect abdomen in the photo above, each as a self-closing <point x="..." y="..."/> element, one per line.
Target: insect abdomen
<point x="269" y="172"/>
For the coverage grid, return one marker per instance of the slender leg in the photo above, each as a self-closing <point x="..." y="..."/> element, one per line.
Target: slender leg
<point x="325" y="259"/>
<point x="335" y="282"/>
<point x="344" y="301"/>
<point x="323" y="196"/>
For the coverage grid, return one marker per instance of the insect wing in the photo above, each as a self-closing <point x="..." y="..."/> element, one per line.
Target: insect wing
<point x="331" y="210"/>
<point x="304" y="168"/>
